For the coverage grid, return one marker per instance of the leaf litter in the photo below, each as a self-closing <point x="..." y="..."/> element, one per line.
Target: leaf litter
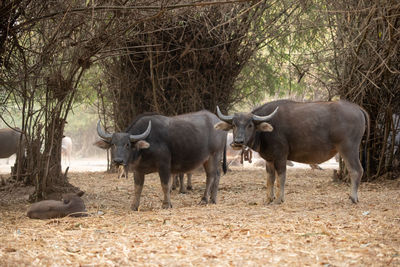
<point x="317" y="225"/>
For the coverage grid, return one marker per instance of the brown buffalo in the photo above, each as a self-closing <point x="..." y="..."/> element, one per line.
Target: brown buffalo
<point x="303" y="132"/>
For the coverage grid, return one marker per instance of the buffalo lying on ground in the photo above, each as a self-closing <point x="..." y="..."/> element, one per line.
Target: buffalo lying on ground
<point x="170" y="145"/>
<point x="303" y="132"/>
<point x="70" y="205"/>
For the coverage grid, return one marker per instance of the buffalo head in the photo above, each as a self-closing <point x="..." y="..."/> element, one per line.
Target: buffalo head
<point x="243" y="126"/>
<point x="123" y="144"/>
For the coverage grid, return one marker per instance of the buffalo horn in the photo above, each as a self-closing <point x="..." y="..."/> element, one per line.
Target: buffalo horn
<point x="142" y="136"/>
<point x="224" y="117"/>
<point x="103" y="135"/>
<point x="264" y="118"/>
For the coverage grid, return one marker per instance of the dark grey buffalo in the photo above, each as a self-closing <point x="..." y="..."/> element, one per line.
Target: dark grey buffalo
<point x="170" y="145"/>
<point x="9" y="142"/>
<point x="303" y="132"/>
<point x="70" y="205"/>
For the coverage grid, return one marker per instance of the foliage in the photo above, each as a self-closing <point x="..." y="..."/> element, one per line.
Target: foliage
<point x="185" y="60"/>
<point x="293" y="63"/>
<point x="43" y="70"/>
<point x="173" y="57"/>
<point x="366" y="71"/>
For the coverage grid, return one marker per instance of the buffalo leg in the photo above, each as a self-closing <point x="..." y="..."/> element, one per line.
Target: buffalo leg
<point x="270" y="181"/>
<point x="214" y="187"/>
<point x="208" y="167"/>
<point x="175" y="182"/>
<point x="182" y="188"/>
<point x="281" y="170"/>
<point x="166" y="183"/>
<point x="189" y="181"/>
<point x="139" y="181"/>
<point x="353" y="165"/>
<point x="215" y="172"/>
<point x="315" y="167"/>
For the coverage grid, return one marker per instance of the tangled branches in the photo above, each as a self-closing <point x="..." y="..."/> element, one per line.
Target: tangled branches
<point x="368" y="72"/>
<point x="183" y="61"/>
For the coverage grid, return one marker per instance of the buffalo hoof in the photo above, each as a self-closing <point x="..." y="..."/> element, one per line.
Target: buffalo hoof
<point x="166" y="205"/>
<point x="182" y="192"/>
<point x="269" y="200"/>
<point x="203" y="201"/>
<point x="134" y="207"/>
<point x="279" y="201"/>
<point x="189" y="187"/>
<point x="354" y="200"/>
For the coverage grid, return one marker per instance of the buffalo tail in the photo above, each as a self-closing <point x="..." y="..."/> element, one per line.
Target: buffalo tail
<point x="364" y="152"/>
<point x="224" y="167"/>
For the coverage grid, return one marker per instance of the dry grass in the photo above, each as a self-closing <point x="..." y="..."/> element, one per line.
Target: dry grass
<point x="317" y="225"/>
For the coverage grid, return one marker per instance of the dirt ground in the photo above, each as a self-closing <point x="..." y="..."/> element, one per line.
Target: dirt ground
<point x="317" y="225"/>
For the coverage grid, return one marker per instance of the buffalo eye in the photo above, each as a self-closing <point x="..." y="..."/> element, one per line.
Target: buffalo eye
<point x="250" y="126"/>
<point x="126" y="145"/>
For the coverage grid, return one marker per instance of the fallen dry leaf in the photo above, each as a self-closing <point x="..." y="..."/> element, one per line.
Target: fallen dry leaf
<point x="316" y="225"/>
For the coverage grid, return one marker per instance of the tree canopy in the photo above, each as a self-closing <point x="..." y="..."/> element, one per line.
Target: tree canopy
<point x="177" y="56"/>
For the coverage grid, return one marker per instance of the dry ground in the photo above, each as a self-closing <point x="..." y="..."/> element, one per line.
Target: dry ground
<point x="317" y="225"/>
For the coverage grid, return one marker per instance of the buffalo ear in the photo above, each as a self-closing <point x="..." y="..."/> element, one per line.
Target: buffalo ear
<point x="142" y="144"/>
<point x="80" y="193"/>
<point x="102" y="144"/>
<point x="224" y="126"/>
<point x="265" y="127"/>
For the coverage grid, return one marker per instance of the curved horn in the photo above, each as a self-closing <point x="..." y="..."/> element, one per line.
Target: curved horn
<point x="222" y="117"/>
<point x="264" y="118"/>
<point x="142" y="136"/>
<point x="103" y="135"/>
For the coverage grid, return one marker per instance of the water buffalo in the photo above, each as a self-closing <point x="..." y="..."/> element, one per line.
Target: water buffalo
<point x="312" y="166"/>
<point x="236" y="157"/>
<point x="123" y="171"/>
<point x="170" y="145"/>
<point x="71" y="205"/>
<point x="66" y="149"/>
<point x="9" y="142"/>
<point x="303" y="132"/>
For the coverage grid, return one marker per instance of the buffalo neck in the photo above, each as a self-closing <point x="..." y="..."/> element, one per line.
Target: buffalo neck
<point x="254" y="142"/>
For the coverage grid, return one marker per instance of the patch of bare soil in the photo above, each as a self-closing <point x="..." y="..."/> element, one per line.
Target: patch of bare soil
<point x="317" y="225"/>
